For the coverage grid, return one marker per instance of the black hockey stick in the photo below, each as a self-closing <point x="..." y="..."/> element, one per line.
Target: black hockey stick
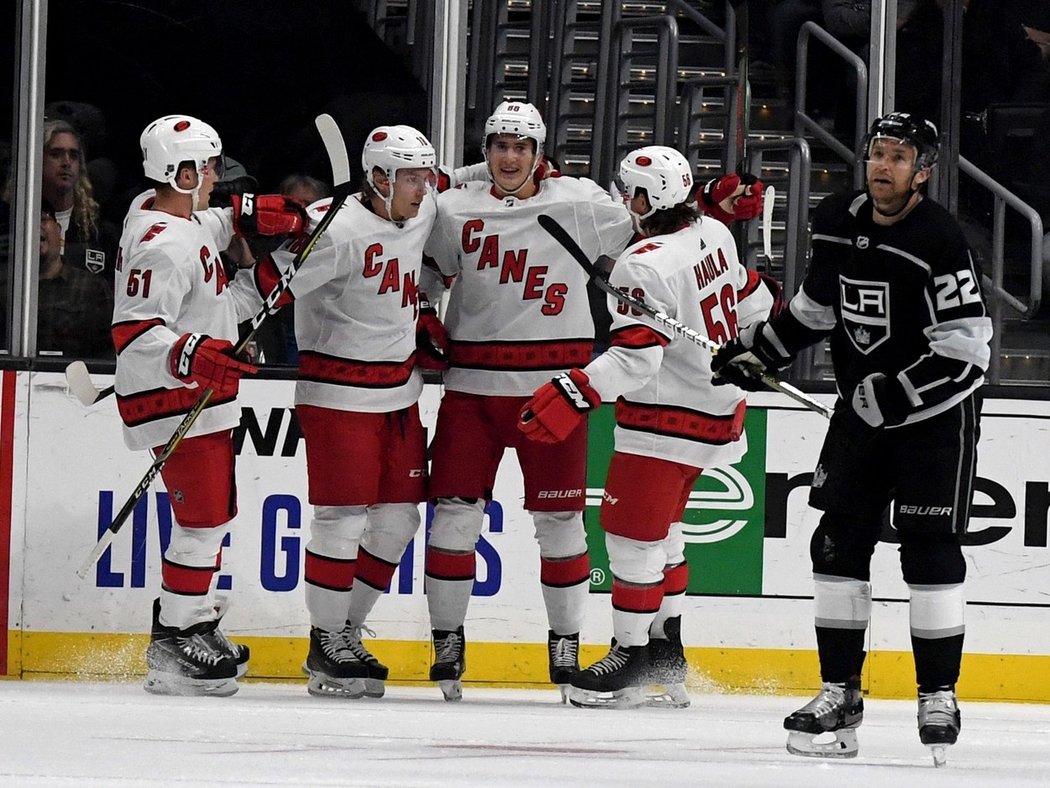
<point x="336" y="147"/>
<point x="561" y="235"/>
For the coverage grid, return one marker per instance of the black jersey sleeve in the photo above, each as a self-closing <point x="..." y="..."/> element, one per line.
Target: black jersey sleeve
<point x="959" y="330"/>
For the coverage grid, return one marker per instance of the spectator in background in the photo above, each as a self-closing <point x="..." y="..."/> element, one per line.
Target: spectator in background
<point x="87" y="241"/>
<point x="74" y="308"/>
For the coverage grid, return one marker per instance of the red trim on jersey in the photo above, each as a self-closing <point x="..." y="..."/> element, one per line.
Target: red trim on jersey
<point x="683" y="423"/>
<point x="676" y="579"/>
<point x="146" y="406"/>
<point x="637" y="337"/>
<point x="335" y="574"/>
<point x="565" y="572"/>
<point x="322" y="368"/>
<point x="186" y="580"/>
<point x="442" y="565"/>
<point x="267" y="275"/>
<point x="522" y="356"/>
<point x="126" y="333"/>
<point x="636" y="599"/>
<point x="373" y="570"/>
<point x="754" y="281"/>
<point x="7" y="452"/>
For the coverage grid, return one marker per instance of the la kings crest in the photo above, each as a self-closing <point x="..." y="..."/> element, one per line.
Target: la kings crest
<point x="865" y="312"/>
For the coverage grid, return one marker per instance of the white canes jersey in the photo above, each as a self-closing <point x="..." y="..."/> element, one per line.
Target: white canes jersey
<point x="667" y="406"/>
<point x="170" y="281"/>
<point x="518" y="311"/>
<point x="356" y="306"/>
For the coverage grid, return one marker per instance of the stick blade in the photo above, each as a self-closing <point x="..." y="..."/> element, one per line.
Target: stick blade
<point x="333" y="141"/>
<point x="79" y="382"/>
<point x="769" y="196"/>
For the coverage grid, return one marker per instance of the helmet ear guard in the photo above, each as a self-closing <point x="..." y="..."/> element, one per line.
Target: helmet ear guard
<point x="169" y="141"/>
<point x="663" y="172"/>
<point x="910" y="129"/>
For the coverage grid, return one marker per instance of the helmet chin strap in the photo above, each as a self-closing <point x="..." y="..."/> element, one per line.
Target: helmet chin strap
<point x="195" y="192"/>
<point x="912" y="191"/>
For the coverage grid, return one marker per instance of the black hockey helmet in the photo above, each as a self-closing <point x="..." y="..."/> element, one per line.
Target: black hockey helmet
<point x="908" y="128"/>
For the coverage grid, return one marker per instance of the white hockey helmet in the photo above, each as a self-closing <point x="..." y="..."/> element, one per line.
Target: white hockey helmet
<point x="519" y="118"/>
<point x="663" y="172"/>
<point x="393" y="148"/>
<point x="169" y="141"/>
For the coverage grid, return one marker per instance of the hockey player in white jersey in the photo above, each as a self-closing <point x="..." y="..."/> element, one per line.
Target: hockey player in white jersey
<point x="517" y="311"/>
<point x="174" y="320"/>
<point x="358" y="312"/>
<point x="671" y="421"/>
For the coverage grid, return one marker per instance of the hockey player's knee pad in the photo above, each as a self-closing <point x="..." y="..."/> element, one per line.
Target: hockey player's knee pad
<point x="560" y="534"/>
<point x="198" y="547"/>
<point x="335" y="531"/>
<point x="391" y="527"/>
<point x="932" y="559"/>
<point x="641" y="563"/>
<point x="457" y="523"/>
<point x="674" y="545"/>
<point x="840" y="549"/>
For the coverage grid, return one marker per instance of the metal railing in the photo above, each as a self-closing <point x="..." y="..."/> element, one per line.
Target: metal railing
<point x="1003" y="197"/>
<point x="805" y="123"/>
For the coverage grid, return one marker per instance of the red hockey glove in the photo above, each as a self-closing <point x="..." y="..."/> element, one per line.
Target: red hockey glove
<point x="431" y="338"/>
<point x="267" y="214"/>
<point x="880" y="401"/>
<point x="732" y="197"/>
<point x="558" y="407"/>
<point x="197" y="358"/>
<point x="547" y="169"/>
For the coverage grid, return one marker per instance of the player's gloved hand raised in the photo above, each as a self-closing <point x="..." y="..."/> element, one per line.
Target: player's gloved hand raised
<point x="197" y="358"/>
<point x="731" y="198"/>
<point x="743" y="360"/>
<point x="558" y="407"/>
<point x="267" y="214"/>
<point x="431" y="338"/>
<point x="222" y="192"/>
<point x="880" y="401"/>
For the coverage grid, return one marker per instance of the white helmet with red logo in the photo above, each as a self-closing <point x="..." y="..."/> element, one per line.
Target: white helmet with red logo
<point x="169" y="141"/>
<point x="393" y="148"/>
<point x="663" y="172"/>
<point x="520" y="119"/>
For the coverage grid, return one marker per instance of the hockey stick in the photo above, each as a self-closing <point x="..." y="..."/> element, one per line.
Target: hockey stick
<point x="559" y="233"/>
<point x="333" y="142"/>
<point x="79" y="382"/>
<point x="768" y="196"/>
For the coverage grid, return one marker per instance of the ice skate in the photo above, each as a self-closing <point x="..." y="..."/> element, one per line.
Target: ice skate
<point x="238" y="652"/>
<point x="614" y="681"/>
<point x="340" y="666"/>
<point x="665" y="678"/>
<point x="939" y="723"/>
<point x="449" y="662"/>
<point x="563" y="652"/>
<point x="826" y="726"/>
<point x="187" y="662"/>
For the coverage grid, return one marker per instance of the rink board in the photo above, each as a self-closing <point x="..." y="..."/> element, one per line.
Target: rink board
<point x="748" y="619"/>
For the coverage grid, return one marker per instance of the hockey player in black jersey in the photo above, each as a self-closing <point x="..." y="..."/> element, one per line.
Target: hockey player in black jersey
<point x="894" y="287"/>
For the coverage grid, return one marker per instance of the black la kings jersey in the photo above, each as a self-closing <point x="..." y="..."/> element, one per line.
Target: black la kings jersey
<point x="904" y="300"/>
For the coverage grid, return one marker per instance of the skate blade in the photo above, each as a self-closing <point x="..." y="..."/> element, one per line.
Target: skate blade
<point x="627" y="698"/>
<point x="673" y="696"/>
<point x="842" y="744"/>
<point x="375" y="688"/>
<point x="565" y="690"/>
<point x="321" y="685"/>
<point x="939" y="753"/>
<point x="452" y="689"/>
<point x="161" y="683"/>
<point x="242" y="669"/>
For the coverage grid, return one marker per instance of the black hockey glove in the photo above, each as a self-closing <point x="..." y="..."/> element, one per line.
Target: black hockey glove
<point x="742" y="361"/>
<point x="223" y="191"/>
<point x="880" y="401"/>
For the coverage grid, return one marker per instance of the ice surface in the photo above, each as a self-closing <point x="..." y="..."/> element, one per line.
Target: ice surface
<point x="64" y="733"/>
